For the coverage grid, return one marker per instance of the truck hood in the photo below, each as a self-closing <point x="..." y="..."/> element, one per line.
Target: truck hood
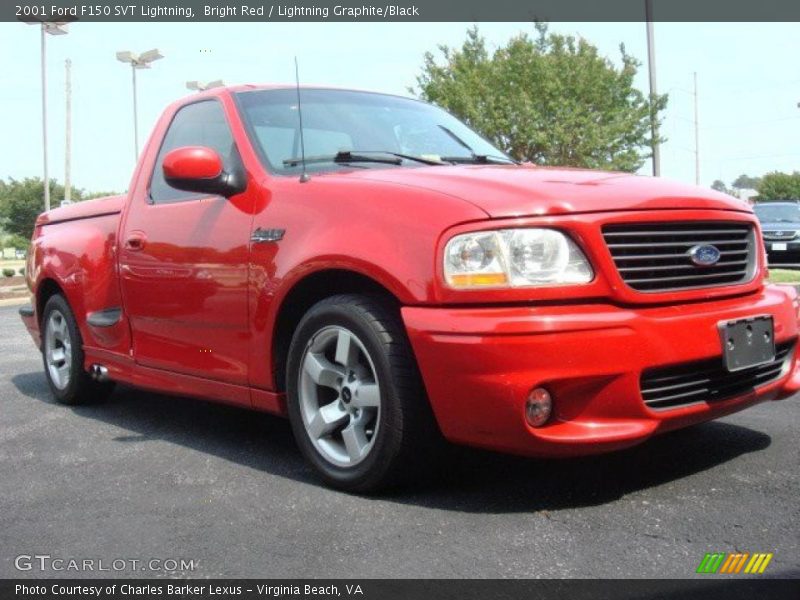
<point x="107" y="205"/>
<point x="516" y="191"/>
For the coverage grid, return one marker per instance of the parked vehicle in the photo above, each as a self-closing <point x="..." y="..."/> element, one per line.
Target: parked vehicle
<point x="406" y="280"/>
<point x="780" y="227"/>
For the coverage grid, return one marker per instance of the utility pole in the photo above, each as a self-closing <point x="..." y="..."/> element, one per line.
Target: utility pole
<point x="68" y="140"/>
<point x="651" y="64"/>
<point x="696" y="135"/>
<point x="44" y="120"/>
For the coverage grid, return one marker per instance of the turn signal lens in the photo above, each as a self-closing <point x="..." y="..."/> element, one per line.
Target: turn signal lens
<point x="538" y="407"/>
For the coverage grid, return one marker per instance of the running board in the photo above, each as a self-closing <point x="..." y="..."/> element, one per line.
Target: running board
<point x="104" y="318"/>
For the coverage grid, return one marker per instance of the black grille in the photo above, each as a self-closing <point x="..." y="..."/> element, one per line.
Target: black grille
<point x="707" y="381"/>
<point x="654" y="257"/>
<point x="780" y="235"/>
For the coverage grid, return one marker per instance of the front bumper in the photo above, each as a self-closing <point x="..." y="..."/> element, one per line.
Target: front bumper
<point x="479" y="364"/>
<point x="787" y="248"/>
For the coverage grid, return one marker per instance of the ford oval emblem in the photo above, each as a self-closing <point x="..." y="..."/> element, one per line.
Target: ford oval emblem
<point x="705" y="255"/>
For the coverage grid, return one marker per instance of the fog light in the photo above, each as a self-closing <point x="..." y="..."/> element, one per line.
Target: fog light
<point x="538" y="407"/>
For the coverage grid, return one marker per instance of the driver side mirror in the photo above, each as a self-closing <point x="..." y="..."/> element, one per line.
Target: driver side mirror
<point x="200" y="169"/>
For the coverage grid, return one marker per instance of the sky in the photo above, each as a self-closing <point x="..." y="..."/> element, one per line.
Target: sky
<point x="748" y="84"/>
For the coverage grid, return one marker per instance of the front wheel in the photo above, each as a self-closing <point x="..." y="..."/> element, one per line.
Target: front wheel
<point x="355" y="399"/>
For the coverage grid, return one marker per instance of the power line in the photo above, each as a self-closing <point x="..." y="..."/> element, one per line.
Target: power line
<point x="756" y="157"/>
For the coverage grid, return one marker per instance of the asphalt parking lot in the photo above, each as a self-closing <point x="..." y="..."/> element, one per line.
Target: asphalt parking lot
<point x="148" y="476"/>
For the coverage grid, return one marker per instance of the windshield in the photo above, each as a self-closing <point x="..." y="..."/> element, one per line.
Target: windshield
<point x="778" y="213"/>
<point x="337" y="122"/>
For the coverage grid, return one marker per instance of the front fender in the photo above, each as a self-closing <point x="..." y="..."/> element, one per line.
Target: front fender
<point x="386" y="233"/>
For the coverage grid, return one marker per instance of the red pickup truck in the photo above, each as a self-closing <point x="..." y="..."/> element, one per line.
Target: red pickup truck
<point x="384" y="276"/>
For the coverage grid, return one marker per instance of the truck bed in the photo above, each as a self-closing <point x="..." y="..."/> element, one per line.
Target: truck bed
<point x="108" y="205"/>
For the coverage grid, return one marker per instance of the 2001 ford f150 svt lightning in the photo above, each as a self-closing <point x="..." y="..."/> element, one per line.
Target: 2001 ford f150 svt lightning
<point x="384" y="276"/>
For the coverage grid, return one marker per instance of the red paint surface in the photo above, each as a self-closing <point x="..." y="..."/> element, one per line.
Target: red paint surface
<point x="192" y="162"/>
<point x="200" y="302"/>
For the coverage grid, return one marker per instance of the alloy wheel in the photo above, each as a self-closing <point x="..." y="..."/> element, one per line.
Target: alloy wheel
<point x="58" y="350"/>
<point x="340" y="397"/>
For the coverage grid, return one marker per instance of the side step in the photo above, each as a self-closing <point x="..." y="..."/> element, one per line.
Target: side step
<point x="104" y="318"/>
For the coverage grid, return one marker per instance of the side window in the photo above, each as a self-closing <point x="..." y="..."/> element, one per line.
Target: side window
<point x="198" y="124"/>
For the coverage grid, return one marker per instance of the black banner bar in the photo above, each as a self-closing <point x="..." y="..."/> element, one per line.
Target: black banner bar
<point x="398" y="10"/>
<point x="707" y="588"/>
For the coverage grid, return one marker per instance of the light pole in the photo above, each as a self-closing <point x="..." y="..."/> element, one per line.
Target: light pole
<point x="68" y="136"/>
<point x="651" y="64"/>
<point x="47" y="28"/>
<point x="696" y="135"/>
<point x="201" y="86"/>
<point x="137" y="61"/>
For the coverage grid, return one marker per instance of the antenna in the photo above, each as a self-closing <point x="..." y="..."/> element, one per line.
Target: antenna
<point x="303" y="176"/>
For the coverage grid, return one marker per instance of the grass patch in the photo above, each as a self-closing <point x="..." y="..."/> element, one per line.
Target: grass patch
<point x="784" y="276"/>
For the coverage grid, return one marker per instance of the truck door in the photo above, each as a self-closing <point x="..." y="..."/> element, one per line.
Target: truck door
<point x="184" y="261"/>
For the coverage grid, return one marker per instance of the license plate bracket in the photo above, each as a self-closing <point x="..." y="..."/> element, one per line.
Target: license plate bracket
<point x="747" y="342"/>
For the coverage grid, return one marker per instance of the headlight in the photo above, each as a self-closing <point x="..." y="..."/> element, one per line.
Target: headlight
<point x="514" y="258"/>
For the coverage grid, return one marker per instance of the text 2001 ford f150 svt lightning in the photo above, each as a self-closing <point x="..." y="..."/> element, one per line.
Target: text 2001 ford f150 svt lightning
<point x="415" y="282"/>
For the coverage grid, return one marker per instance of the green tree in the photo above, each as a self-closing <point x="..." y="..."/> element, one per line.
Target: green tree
<point x="552" y="100"/>
<point x="779" y="186"/>
<point x="21" y="201"/>
<point x="720" y="186"/>
<point x="93" y="195"/>
<point x="13" y="240"/>
<point x="745" y="182"/>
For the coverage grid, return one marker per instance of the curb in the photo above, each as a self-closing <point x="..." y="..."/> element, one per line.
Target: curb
<point x="15" y="301"/>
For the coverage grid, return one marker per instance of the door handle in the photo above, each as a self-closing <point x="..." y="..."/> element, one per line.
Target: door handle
<point x="135" y="242"/>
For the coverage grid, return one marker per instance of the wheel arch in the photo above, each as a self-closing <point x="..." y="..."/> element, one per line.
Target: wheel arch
<point x="306" y="292"/>
<point x="47" y="288"/>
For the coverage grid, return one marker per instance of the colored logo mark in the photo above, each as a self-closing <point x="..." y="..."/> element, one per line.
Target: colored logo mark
<point x="705" y="255"/>
<point x="739" y="562"/>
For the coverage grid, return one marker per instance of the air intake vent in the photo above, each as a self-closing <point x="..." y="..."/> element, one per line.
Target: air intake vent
<point x="656" y="257"/>
<point x="707" y="381"/>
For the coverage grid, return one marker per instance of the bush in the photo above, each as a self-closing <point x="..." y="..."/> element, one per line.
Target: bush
<point x="21" y="271"/>
<point x="8" y="272"/>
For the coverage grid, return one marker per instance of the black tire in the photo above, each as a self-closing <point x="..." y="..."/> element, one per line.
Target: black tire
<point x="406" y="430"/>
<point x="81" y="388"/>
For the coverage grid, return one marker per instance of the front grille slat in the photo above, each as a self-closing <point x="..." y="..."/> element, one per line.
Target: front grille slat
<point x="655" y="257"/>
<point x="679" y="278"/>
<point x="708" y="380"/>
<point x="674" y="256"/>
<point x="688" y="243"/>
<point x="735" y="263"/>
<point x="691" y="232"/>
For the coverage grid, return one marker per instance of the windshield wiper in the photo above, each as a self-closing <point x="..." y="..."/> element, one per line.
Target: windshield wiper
<point x="474" y="158"/>
<point x="348" y="156"/>
<point x="344" y="156"/>
<point x="481" y="159"/>
<point x="419" y="159"/>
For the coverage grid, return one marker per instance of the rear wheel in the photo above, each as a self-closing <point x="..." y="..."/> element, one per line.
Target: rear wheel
<point x="355" y="398"/>
<point x="62" y="353"/>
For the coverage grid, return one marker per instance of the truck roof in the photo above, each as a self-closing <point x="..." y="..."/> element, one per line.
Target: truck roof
<point x="250" y="87"/>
